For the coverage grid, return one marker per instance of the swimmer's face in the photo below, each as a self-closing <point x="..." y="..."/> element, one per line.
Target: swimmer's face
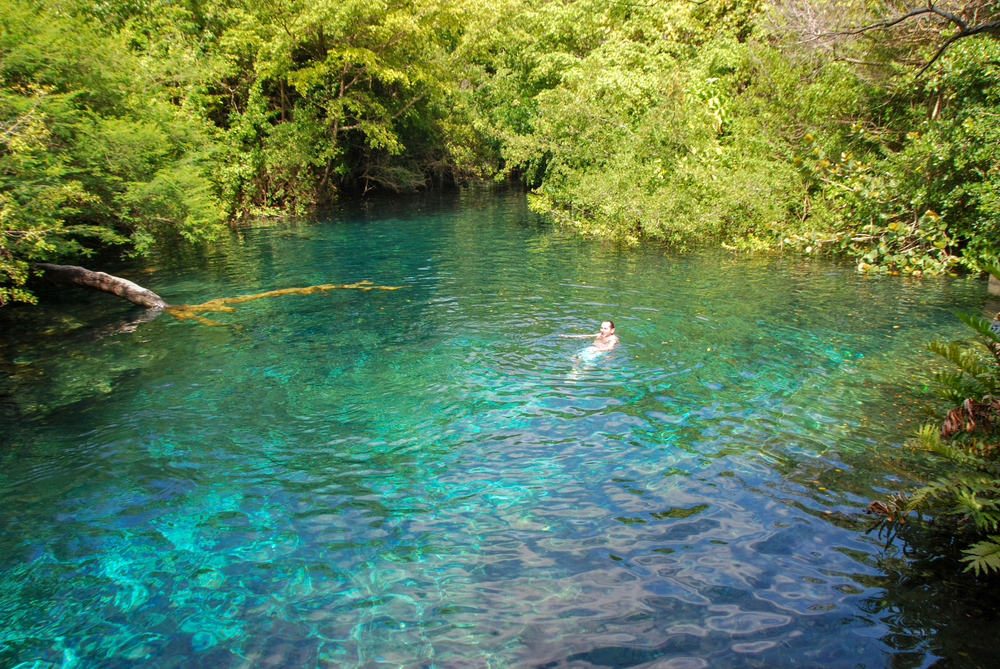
<point x="607" y="329"/>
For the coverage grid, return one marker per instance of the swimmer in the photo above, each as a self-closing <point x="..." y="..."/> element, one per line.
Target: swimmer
<point x="604" y="340"/>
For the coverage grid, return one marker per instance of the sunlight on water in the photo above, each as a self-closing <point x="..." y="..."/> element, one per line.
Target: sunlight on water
<point x="432" y="477"/>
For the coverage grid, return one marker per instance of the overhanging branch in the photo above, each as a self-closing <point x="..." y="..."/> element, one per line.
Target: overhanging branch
<point x="123" y="288"/>
<point x="964" y="29"/>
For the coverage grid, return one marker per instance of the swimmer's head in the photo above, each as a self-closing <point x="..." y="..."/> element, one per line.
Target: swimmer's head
<point x="607" y="328"/>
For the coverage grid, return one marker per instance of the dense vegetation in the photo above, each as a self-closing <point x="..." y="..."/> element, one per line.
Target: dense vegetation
<point x="965" y="502"/>
<point x="727" y="122"/>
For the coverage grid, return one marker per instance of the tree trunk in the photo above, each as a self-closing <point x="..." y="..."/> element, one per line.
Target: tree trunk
<point x="123" y="288"/>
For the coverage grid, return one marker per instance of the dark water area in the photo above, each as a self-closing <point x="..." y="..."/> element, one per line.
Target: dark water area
<point x="432" y="477"/>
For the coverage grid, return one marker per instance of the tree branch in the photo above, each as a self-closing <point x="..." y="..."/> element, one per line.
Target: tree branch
<point x="123" y="288"/>
<point x="964" y="29"/>
<point x="965" y="32"/>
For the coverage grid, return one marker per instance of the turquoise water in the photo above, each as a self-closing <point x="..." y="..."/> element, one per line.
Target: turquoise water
<point x="432" y="477"/>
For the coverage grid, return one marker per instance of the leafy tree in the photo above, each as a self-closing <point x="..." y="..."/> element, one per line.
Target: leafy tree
<point x="917" y="194"/>
<point x="621" y="116"/>
<point x="328" y="95"/>
<point x="692" y="123"/>
<point x="910" y="173"/>
<point x="92" y="151"/>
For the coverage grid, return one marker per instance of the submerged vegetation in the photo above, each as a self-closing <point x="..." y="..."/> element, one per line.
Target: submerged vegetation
<point x="752" y="125"/>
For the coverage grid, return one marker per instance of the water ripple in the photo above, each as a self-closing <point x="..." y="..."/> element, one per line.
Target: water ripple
<point x="434" y="477"/>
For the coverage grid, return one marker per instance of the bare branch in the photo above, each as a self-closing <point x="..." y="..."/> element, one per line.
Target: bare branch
<point x="963" y="27"/>
<point x="965" y="32"/>
<point x="929" y="9"/>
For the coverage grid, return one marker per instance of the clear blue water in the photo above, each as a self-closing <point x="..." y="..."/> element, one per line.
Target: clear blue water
<point x="432" y="477"/>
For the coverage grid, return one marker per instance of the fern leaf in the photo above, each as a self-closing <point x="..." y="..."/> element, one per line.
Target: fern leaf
<point x="957" y="384"/>
<point x="955" y="387"/>
<point x="980" y="325"/>
<point x="983" y="556"/>
<point x="927" y="436"/>
<point x="963" y="357"/>
<point x="926" y="495"/>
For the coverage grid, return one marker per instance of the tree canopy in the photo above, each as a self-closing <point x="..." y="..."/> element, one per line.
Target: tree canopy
<point x="804" y="125"/>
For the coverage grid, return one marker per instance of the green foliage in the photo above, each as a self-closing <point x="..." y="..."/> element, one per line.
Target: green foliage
<point x="970" y="438"/>
<point x="974" y="378"/>
<point x="684" y="122"/>
<point x="984" y="556"/>
<point x="985" y="330"/>
<point x="622" y="117"/>
<point x="91" y="151"/>
<point x="972" y="494"/>
<point x="909" y="168"/>
<point x="37" y="192"/>
<point x="695" y="122"/>
<point x="923" y="197"/>
<point x="333" y="94"/>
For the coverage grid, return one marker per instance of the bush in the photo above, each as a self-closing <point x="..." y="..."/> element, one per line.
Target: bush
<point x="968" y="500"/>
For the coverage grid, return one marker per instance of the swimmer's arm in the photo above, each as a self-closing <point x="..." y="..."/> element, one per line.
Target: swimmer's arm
<point x="585" y="336"/>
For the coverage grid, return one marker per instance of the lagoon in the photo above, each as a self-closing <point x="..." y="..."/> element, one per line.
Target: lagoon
<point x="432" y="477"/>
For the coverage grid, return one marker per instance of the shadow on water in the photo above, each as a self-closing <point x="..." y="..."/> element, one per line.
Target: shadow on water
<point x="924" y="610"/>
<point x="932" y="608"/>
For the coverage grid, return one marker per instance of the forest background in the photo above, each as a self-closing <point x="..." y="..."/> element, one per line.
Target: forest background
<point x="734" y="122"/>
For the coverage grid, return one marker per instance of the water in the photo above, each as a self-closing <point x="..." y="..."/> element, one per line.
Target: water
<point x="432" y="477"/>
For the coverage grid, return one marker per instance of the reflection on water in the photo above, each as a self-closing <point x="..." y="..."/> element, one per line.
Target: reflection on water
<point x="433" y="477"/>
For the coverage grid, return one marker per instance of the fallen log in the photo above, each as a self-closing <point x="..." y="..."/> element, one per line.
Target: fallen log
<point x="136" y="294"/>
<point x="108" y="283"/>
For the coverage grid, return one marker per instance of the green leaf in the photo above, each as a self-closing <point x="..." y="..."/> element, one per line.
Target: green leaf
<point x="980" y="325"/>
<point x="984" y="556"/>
<point x="967" y="360"/>
<point x="992" y="269"/>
